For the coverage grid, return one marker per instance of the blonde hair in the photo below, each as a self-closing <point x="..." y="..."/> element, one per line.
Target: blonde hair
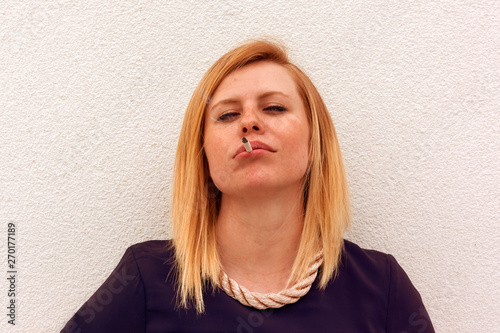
<point x="196" y="203"/>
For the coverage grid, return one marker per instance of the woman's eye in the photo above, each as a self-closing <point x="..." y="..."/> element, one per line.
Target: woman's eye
<point x="227" y="116"/>
<point x="277" y="108"/>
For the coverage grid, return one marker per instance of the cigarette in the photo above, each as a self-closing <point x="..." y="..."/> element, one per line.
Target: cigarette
<point x="246" y="144"/>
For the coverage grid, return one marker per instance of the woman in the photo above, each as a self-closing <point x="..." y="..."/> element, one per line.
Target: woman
<point x="260" y="205"/>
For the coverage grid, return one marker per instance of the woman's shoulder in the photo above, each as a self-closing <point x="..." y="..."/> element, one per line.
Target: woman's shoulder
<point x="152" y="248"/>
<point x="370" y="254"/>
<point x="119" y="304"/>
<point x="153" y="258"/>
<point x="368" y="267"/>
<point x="378" y="276"/>
<point x="370" y="259"/>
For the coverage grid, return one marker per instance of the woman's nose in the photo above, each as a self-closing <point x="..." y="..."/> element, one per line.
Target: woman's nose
<point x="246" y="129"/>
<point x="250" y="122"/>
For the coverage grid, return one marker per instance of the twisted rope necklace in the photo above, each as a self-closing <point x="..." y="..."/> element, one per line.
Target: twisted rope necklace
<point x="263" y="301"/>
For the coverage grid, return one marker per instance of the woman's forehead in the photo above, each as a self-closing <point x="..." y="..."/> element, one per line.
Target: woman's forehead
<point x="263" y="78"/>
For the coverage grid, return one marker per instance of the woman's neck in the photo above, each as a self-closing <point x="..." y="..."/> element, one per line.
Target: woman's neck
<point x="258" y="239"/>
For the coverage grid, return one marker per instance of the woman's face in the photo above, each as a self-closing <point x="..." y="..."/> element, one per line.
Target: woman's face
<point x="261" y="102"/>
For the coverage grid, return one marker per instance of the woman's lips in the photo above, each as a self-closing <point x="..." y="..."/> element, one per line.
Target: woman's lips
<point x="256" y="145"/>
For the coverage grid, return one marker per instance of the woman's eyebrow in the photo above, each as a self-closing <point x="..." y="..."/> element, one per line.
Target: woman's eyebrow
<point x="223" y="102"/>
<point x="271" y="93"/>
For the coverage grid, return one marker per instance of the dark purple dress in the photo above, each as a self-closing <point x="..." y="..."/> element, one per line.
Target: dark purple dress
<point x="371" y="293"/>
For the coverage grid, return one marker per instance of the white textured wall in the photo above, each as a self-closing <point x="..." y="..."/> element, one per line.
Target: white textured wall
<point x="92" y="96"/>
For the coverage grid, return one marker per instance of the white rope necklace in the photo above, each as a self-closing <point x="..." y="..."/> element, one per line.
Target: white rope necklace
<point x="265" y="301"/>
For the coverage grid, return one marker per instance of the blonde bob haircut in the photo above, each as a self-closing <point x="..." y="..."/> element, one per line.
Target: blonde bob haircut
<point x="196" y="202"/>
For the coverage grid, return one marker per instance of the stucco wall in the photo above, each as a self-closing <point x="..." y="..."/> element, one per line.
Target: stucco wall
<point x="92" y="96"/>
